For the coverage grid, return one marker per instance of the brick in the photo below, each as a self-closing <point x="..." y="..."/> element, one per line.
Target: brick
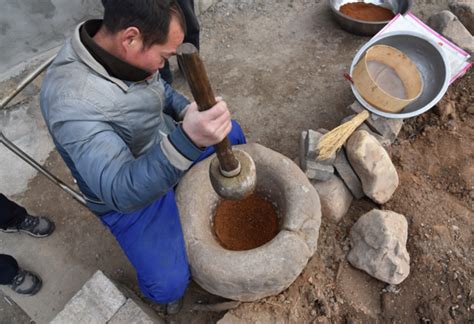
<point x="387" y="127"/>
<point x="132" y="313"/>
<point x="310" y="148"/>
<point x="313" y="168"/>
<point x="318" y="171"/>
<point x="96" y="302"/>
<point x="311" y="144"/>
<point x="347" y="174"/>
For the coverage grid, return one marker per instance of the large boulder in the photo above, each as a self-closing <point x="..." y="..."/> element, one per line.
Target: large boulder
<point x="373" y="166"/>
<point x="378" y="241"/>
<point x="447" y="24"/>
<point x="464" y="10"/>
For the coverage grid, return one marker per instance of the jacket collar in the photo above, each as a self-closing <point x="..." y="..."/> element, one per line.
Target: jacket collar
<point x="89" y="60"/>
<point x="115" y="66"/>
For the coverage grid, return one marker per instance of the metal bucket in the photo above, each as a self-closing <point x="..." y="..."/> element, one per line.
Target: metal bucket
<point x="430" y="60"/>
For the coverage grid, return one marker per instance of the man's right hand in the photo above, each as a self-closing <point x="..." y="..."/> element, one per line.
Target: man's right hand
<point x="206" y="128"/>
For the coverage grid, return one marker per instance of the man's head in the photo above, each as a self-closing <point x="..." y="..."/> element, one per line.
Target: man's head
<point x="143" y="32"/>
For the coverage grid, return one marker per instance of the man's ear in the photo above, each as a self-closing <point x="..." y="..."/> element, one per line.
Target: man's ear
<point x="131" y="39"/>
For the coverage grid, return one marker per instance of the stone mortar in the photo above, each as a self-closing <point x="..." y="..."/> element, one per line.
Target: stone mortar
<point x="271" y="268"/>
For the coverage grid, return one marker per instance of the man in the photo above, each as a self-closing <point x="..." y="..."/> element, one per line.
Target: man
<point x="14" y="218"/>
<point x="128" y="137"/>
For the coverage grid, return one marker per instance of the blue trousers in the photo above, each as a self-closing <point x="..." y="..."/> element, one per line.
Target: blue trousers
<point x="153" y="241"/>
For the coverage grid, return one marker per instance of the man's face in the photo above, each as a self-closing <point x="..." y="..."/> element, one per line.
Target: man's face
<point x="153" y="58"/>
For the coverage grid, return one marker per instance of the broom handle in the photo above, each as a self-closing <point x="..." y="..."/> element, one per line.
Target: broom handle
<point x="198" y="81"/>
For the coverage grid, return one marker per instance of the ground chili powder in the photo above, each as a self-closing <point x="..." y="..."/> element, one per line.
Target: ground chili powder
<point x="245" y="224"/>
<point x="366" y="11"/>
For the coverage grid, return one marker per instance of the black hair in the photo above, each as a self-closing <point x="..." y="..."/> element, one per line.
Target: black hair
<point x="151" y="17"/>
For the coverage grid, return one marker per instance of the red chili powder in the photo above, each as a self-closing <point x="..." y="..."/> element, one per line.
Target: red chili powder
<point x="245" y="224"/>
<point x="366" y="11"/>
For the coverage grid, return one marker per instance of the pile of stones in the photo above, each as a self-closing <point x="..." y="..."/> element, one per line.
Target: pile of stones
<point x="456" y="24"/>
<point x="362" y="168"/>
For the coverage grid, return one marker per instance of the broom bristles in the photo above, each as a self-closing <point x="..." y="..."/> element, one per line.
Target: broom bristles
<point x="333" y="140"/>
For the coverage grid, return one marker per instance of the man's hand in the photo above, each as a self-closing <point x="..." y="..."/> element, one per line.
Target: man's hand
<point x="206" y="128"/>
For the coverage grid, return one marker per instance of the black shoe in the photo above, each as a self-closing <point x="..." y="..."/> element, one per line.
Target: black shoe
<point x="34" y="226"/>
<point x="174" y="307"/>
<point x="26" y="283"/>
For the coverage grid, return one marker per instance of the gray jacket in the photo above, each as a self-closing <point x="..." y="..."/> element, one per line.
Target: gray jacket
<point x="121" y="140"/>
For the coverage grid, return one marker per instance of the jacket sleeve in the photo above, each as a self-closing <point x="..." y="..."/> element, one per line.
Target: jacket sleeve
<point x="175" y="103"/>
<point x="106" y="164"/>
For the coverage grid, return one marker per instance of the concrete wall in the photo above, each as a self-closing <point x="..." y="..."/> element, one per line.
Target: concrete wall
<point x="31" y="27"/>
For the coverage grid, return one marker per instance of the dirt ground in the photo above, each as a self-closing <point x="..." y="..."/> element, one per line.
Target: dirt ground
<point x="279" y="66"/>
<point x="434" y="157"/>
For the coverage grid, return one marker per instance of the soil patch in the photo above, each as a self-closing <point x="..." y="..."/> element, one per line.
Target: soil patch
<point x="434" y="156"/>
<point x="245" y="224"/>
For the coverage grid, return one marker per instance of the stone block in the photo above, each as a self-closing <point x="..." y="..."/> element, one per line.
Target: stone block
<point x="464" y="10"/>
<point x="132" y="313"/>
<point x="347" y="174"/>
<point x="97" y="301"/>
<point x="311" y="166"/>
<point x="447" y="24"/>
<point x="302" y="153"/>
<point x="388" y="128"/>
<point x="373" y="166"/>
<point x="335" y="198"/>
<point x="318" y="171"/>
<point x="311" y="144"/>
<point x="311" y="147"/>
<point x="378" y="246"/>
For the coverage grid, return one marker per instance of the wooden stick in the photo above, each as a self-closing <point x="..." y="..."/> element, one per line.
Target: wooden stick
<point x="198" y="81"/>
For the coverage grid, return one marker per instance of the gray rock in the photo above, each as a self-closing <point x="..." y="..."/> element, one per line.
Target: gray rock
<point x="97" y="301"/>
<point x="388" y="128"/>
<point x="386" y="143"/>
<point x="311" y="144"/>
<point x="271" y="268"/>
<point x="347" y="174"/>
<point x="373" y="166"/>
<point x="335" y="198"/>
<point x="378" y="241"/>
<point x="447" y="24"/>
<point x="315" y="170"/>
<point x="311" y="166"/>
<point x="302" y="153"/>
<point x="464" y="10"/>
<point x="131" y="313"/>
